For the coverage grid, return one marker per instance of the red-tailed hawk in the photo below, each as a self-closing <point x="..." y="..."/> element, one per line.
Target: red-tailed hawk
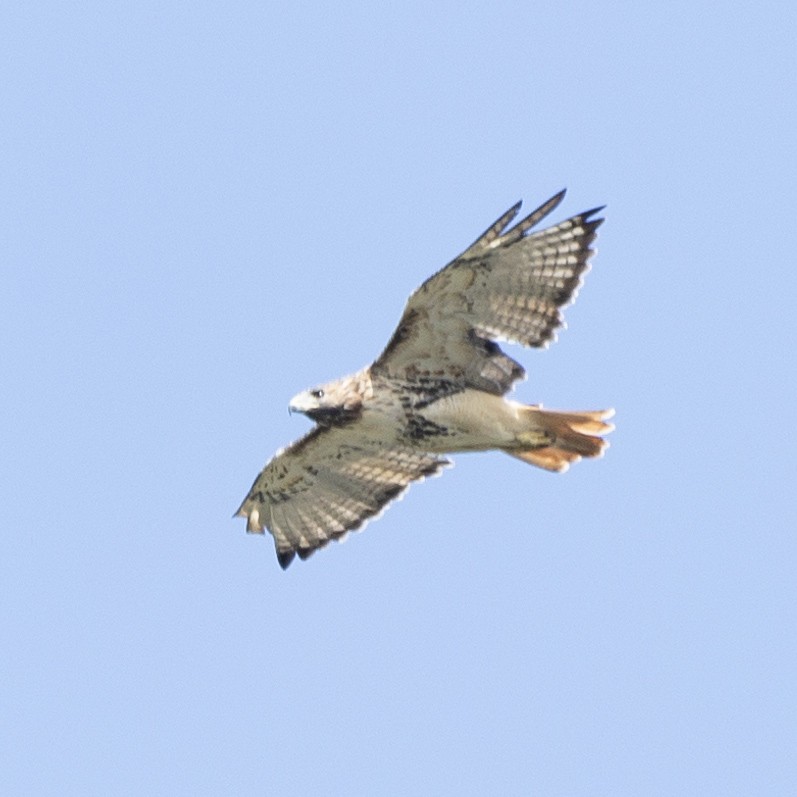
<point x="437" y="388"/>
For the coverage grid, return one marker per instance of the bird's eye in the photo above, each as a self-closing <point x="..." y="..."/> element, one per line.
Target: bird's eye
<point x="317" y="393"/>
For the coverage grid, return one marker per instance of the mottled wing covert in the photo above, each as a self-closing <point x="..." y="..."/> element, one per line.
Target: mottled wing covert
<point x="327" y="484"/>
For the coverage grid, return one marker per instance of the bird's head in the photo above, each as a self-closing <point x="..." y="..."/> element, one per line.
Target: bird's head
<point x="332" y="404"/>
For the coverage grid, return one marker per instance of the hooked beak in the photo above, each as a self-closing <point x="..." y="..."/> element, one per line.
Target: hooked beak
<point x="300" y="403"/>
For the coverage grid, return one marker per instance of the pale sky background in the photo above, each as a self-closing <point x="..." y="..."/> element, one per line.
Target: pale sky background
<point x="207" y="207"/>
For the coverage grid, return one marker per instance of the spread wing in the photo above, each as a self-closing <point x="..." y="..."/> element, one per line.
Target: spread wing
<point x="509" y="285"/>
<point x="326" y="484"/>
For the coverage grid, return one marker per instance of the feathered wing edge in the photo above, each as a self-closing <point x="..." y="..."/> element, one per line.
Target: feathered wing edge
<point x="296" y="529"/>
<point x="555" y="290"/>
<point x="286" y="557"/>
<point x="546" y="302"/>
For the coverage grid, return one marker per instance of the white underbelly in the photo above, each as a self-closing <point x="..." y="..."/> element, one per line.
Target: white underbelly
<point x="475" y="421"/>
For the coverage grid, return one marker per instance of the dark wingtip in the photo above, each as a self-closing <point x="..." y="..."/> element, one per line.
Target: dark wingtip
<point x="587" y="213"/>
<point x="285" y="558"/>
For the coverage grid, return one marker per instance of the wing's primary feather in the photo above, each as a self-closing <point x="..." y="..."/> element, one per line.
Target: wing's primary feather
<point x="493" y="237"/>
<point x="328" y="483"/>
<point x="508" y="285"/>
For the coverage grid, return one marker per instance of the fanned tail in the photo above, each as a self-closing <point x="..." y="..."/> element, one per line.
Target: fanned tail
<point x="558" y="439"/>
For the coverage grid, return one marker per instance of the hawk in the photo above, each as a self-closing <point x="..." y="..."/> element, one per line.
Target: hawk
<point x="437" y="388"/>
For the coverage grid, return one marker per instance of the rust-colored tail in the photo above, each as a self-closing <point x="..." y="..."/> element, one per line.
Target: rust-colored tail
<point x="569" y="436"/>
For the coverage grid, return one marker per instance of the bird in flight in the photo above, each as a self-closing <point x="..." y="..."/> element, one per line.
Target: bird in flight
<point x="437" y="388"/>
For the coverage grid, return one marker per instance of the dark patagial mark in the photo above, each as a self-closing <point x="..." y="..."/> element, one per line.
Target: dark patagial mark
<point x="400" y="335"/>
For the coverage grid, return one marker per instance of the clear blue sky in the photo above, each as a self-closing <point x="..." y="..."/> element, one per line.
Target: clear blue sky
<point x="208" y="207"/>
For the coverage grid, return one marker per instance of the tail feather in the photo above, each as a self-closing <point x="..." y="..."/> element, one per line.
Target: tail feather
<point x="568" y="436"/>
